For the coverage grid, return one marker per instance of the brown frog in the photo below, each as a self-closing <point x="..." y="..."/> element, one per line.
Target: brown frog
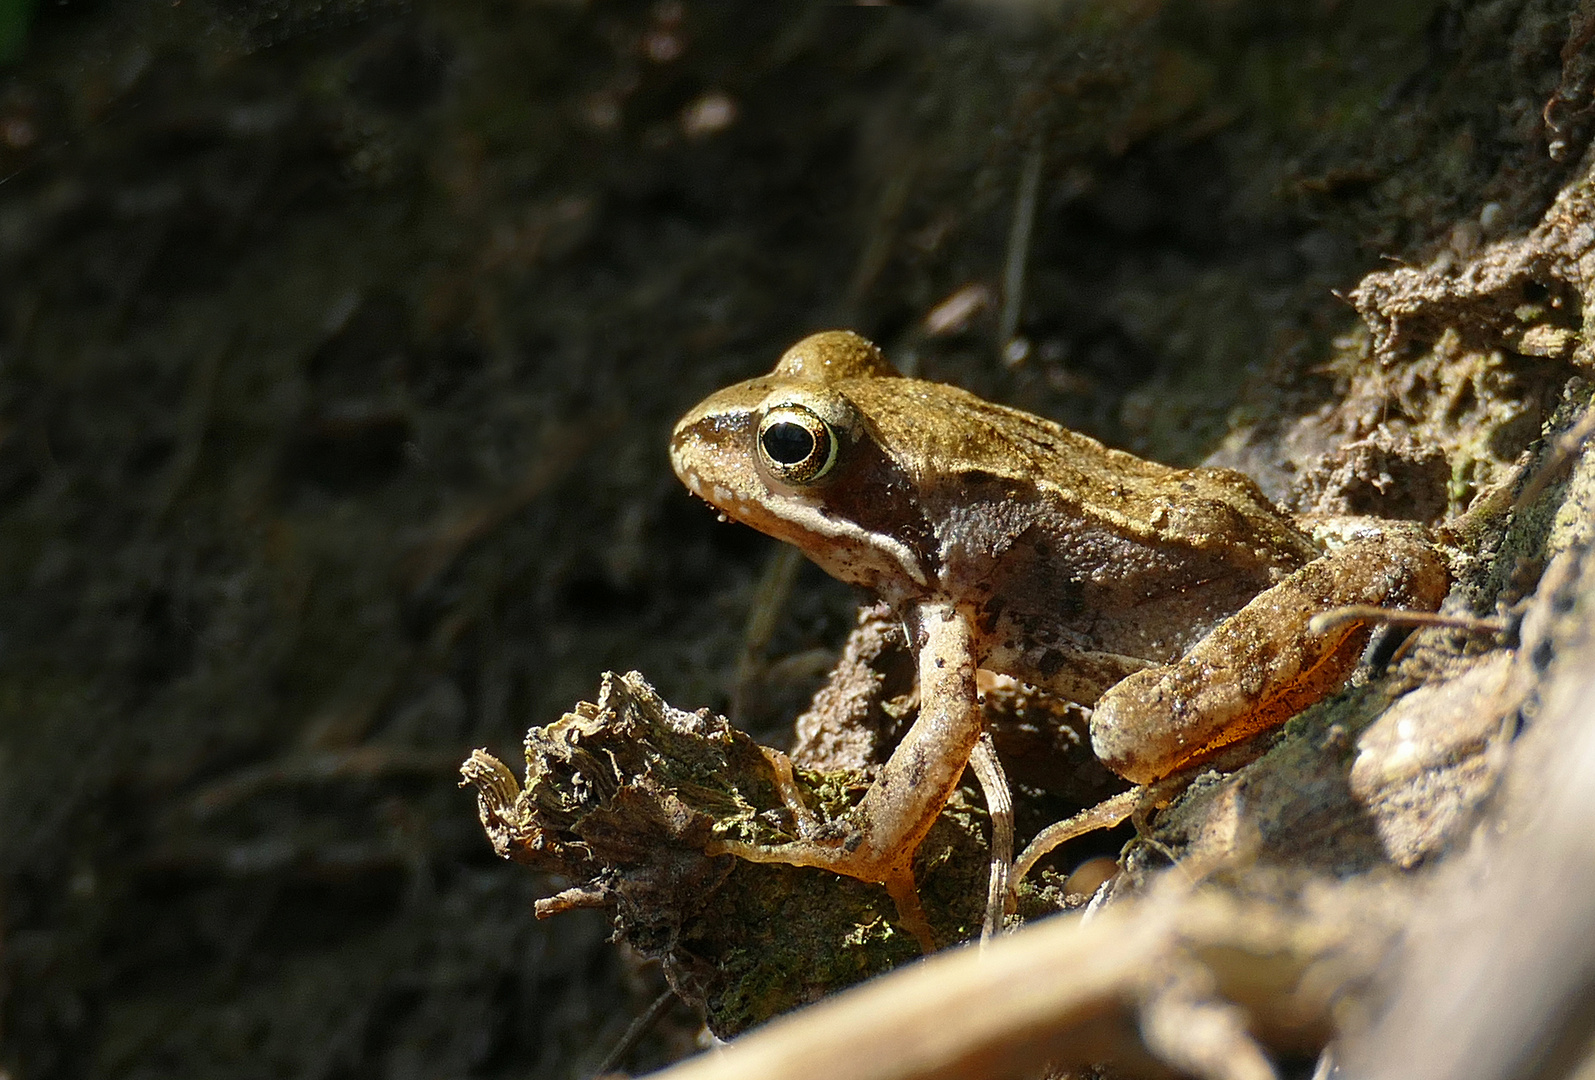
<point x="1173" y="601"/>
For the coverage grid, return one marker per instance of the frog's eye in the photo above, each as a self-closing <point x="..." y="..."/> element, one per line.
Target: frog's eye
<point x="796" y="445"/>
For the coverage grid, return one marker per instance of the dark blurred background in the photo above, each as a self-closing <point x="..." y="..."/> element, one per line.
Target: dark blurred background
<point x="339" y="344"/>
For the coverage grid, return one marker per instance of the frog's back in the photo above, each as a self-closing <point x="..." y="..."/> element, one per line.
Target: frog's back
<point x="952" y="443"/>
<point x="1069" y="547"/>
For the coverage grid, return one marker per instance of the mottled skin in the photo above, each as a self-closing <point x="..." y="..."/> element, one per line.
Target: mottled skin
<point x="1013" y="544"/>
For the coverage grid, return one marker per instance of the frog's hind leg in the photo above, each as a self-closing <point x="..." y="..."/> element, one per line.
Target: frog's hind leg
<point x="1263" y="664"/>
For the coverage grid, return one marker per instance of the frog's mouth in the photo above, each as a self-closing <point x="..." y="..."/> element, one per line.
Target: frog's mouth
<point x="711" y="451"/>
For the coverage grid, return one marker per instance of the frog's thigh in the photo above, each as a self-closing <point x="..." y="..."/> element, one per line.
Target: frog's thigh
<point x="1261" y="665"/>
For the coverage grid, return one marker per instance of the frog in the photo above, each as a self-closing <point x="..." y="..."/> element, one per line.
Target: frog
<point x="1175" y="603"/>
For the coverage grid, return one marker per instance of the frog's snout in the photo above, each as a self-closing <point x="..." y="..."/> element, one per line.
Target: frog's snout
<point x="687" y="448"/>
<point x="704" y="458"/>
<point x="688" y="476"/>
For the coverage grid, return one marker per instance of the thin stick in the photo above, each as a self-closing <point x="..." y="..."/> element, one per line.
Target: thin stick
<point x="1326" y="621"/>
<point x="1104" y="815"/>
<point x="999" y="806"/>
<point x="1562" y="451"/>
<point x="769" y="601"/>
<point x="570" y="900"/>
<point x="305" y="769"/>
<point x="1024" y="224"/>
<point x="639" y="1027"/>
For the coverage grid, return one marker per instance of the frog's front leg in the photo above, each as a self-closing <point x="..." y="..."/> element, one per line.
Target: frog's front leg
<point x="1262" y="665"/>
<point x="876" y="840"/>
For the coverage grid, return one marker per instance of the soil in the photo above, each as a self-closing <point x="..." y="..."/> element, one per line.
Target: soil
<point x="339" y="345"/>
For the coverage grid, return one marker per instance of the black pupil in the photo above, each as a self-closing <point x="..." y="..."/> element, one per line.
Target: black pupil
<point x="788" y="443"/>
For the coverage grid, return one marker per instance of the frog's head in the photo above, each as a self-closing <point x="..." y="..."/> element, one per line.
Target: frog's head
<point x="793" y="455"/>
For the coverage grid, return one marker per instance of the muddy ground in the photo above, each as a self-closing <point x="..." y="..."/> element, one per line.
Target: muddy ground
<point x="339" y="343"/>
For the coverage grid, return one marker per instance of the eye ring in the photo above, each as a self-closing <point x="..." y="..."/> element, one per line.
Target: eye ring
<point x="795" y="445"/>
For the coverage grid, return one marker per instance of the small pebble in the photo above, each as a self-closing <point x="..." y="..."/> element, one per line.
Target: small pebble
<point x="1088" y="877"/>
<point x="1491" y="218"/>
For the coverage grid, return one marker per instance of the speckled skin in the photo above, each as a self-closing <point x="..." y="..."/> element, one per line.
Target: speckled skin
<point x="1016" y="545"/>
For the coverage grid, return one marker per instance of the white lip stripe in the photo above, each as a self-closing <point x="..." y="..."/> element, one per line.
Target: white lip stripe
<point x="808" y="517"/>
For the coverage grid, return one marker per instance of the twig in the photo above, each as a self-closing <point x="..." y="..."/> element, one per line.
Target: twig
<point x="359" y="763"/>
<point x="196" y="418"/>
<point x="1065" y="992"/>
<point x="999" y="807"/>
<point x="1104" y="815"/>
<point x="1562" y="451"/>
<point x="565" y="446"/>
<point x="639" y="1027"/>
<point x="769" y="601"/>
<point x="1018" y="257"/>
<point x="571" y="900"/>
<point x="1326" y="621"/>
